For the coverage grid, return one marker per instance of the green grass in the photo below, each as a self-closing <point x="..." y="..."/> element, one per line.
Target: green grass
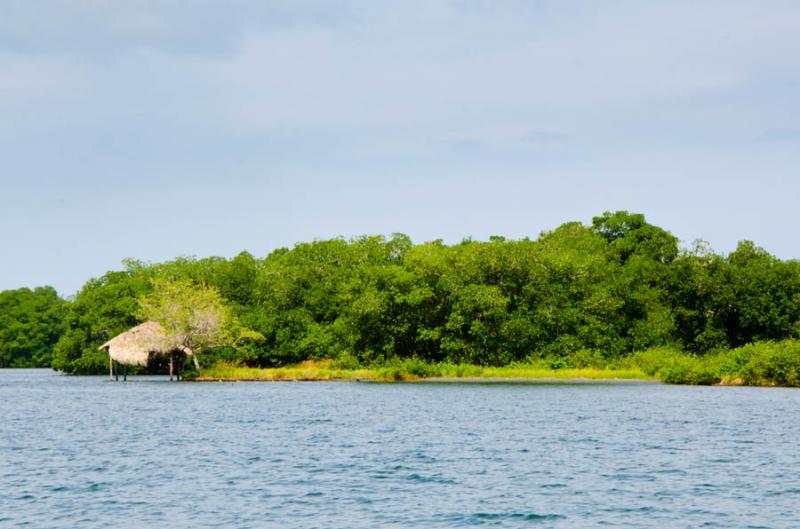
<point x="763" y="363"/>
<point x="304" y="371"/>
<point x="535" y="372"/>
<point x="410" y="370"/>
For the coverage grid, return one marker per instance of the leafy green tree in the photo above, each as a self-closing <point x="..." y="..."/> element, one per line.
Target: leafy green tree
<point x="195" y="316"/>
<point x="103" y="308"/>
<point x="630" y="234"/>
<point x="574" y="293"/>
<point x="31" y="322"/>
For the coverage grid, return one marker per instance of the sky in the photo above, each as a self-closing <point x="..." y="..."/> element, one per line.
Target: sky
<point x="152" y="129"/>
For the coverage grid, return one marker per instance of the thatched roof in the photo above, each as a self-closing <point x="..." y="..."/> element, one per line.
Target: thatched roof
<point x="136" y="345"/>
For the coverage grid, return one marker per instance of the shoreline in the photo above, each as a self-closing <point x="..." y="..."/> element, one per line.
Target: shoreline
<point x="452" y="380"/>
<point x="541" y="381"/>
<point x="463" y="375"/>
<point x="419" y="372"/>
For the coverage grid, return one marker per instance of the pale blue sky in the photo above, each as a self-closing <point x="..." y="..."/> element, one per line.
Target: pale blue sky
<point x="152" y="129"/>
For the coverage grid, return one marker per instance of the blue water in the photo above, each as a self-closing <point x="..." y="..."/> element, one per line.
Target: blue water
<point x="85" y="452"/>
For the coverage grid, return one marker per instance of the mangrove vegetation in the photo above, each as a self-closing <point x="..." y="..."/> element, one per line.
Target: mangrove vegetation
<point x="618" y="294"/>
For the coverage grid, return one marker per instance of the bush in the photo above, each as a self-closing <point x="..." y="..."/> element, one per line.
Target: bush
<point x="675" y="367"/>
<point x="407" y="369"/>
<point x="688" y="370"/>
<point x="559" y="362"/>
<point x="768" y="363"/>
<point x="458" y="370"/>
<point x="764" y="363"/>
<point x="346" y="360"/>
<point x="652" y="360"/>
<point x="587" y="358"/>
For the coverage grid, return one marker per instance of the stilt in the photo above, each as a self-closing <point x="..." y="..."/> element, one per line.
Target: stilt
<point x="116" y="373"/>
<point x="124" y="372"/>
<point x="110" y="368"/>
<point x="171" y="367"/>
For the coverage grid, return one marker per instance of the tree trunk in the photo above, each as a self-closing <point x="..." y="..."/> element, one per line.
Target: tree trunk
<point x="188" y="350"/>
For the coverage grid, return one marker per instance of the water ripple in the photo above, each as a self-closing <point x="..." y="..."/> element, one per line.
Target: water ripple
<point x="83" y="452"/>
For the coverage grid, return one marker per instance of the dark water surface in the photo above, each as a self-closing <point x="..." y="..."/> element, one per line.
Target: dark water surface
<point x="84" y="452"/>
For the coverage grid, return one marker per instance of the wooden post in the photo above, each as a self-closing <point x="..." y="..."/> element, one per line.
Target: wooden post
<point x="110" y="367"/>
<point x="124" y="372"/>
<point x="116" y="373"/>
<point x="170" y="366"/>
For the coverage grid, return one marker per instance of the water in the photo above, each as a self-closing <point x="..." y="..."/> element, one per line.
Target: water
<point x="85" y="452"/>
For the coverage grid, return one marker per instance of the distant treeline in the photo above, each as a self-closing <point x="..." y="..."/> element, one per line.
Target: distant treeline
<point x="610" y="289"/>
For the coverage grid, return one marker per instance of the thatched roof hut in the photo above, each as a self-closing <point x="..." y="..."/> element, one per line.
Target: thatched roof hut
<point x="138" y="345"/>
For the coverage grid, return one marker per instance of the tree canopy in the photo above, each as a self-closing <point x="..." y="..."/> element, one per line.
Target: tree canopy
<point x="195" y="316"/>
<point x="31" y="322"/>
<point x="614" y="287"/>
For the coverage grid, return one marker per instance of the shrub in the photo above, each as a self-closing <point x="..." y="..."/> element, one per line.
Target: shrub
<point x="653" y="360"/>
<point x="406" y="369"/>
<point x="691" y="370"/>
<point x="768" y="363"/>
<point x="675" y="367"/>
<point x="559" y="362"/>
<point x="458" y="370"/>
<point x="346" y="360"/>
<point x="587" y="358"/>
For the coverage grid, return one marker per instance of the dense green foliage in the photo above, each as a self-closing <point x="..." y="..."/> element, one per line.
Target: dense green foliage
<point x="575" y="295"/>
<point x="31" y="322"/>
<point x="766" y="363"/>
<point x="194" y="316"/>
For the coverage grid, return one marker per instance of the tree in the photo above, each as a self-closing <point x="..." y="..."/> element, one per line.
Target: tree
<point x="103" y="308"/>
<point x="630" y="234"/>
<point x="195" y="316"/>
<point x="613" y="287"/>
<point x="31" y="322"/>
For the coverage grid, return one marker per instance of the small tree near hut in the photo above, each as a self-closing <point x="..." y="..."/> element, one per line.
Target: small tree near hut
<point x="194" y="316"/>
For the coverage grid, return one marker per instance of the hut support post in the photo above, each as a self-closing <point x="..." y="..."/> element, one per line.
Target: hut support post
<point x="116" y="373"/>
<point x="171" y="366"/>
<point x="110" y="368"/>
<point x="124" y="372"/>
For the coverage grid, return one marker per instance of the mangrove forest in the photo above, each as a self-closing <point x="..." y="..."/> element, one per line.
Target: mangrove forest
<point x="619" y="293"/>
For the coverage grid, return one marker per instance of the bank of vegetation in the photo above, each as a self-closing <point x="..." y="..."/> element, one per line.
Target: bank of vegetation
<point x="412" y="369"/>
<point x="618" y="294"/>
<point x="765" y="363"/>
